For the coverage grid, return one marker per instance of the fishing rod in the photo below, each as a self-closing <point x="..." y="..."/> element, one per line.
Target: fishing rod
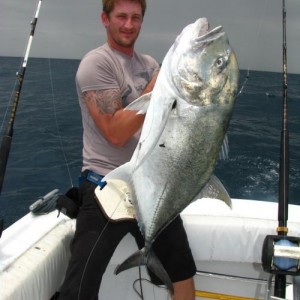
<point x="281" y="253"/>
<point x="8" y="133"/>
<point x="282" y="230"/>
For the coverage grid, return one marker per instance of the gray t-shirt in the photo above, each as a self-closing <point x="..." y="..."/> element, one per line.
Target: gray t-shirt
<point x="101" y="69"/>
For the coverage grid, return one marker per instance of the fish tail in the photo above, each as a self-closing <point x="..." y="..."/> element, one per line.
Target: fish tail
<point x="136" y="259"/>
<point x="154" y="265"/>
<point x="150" y="260"/>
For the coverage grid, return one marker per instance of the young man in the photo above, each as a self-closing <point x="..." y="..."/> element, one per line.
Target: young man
<point x="109" y="78"/>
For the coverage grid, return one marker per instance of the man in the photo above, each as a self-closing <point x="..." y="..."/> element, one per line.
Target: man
<point x="109" y="78"/>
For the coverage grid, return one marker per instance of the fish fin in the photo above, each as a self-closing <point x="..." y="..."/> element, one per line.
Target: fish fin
<point x="123" y="173"/>
<point x="216" y="190"/>
<point x="136" y="259"/>
<point x="156" y="267"/>
<point x="224" y="151"/>
<point x="141" y="104"/>
<point x="150" y="260"/>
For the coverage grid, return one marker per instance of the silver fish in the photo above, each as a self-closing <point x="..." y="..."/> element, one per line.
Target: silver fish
<point x="185" y="126"/>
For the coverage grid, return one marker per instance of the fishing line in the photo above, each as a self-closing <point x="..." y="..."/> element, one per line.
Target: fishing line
<point x="10" y="99"/>
<point x="7" y="137"/>
<point x="140" y="281"/>
<point x="57" y="125"/>
<point x="258" y="35"/>
<point x="6" y="110"/>
<point x="70" y="178"/>
<point x="244" y="84"/>
<point x="93" y="248"/>
<point x="89" y="257"/>
<point x="153" y="285"/>
<point x="23" y="60"/>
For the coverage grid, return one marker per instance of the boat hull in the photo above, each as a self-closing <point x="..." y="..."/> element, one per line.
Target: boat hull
<point x="226" y="245"/>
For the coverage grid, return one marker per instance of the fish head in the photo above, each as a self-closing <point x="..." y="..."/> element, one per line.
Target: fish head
<point x="202" y="65"/>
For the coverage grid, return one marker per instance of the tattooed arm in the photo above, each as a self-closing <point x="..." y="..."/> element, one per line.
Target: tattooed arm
<point x="117" y="125"/>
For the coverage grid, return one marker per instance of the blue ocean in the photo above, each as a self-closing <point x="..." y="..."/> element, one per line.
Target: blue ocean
<point x="46" y="147"/>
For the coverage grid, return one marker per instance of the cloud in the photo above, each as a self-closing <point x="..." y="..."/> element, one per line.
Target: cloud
<point x="69" y="28"/>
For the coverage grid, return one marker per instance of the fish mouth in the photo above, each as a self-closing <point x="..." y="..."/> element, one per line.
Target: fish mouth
<point x="234" y="78"/>
<point x="205" y="36"/>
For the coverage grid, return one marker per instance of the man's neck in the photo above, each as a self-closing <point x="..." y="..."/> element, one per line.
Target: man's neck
<point x="125" y="50"/>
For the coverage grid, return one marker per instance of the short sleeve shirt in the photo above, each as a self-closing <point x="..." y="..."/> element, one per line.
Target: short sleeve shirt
<point x="101" y="69"/>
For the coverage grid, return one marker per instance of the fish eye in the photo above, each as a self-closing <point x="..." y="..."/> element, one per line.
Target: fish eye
<point x="220" y="62"/>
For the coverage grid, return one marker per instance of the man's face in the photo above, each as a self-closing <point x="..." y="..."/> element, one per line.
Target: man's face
<point x="123" y="24"/>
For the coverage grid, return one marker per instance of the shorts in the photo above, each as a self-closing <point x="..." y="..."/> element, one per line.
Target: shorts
<point x="96" y="239"/>
<point x="173" y="250"/>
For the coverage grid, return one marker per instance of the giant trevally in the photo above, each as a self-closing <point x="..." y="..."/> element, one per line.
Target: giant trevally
<point x="185" y="126"/>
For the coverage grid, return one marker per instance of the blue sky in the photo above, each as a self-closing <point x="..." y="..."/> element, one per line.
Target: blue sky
<point x="70" y="28"/>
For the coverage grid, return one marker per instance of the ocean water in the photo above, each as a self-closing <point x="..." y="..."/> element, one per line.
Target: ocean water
<point x="46" y="148"/>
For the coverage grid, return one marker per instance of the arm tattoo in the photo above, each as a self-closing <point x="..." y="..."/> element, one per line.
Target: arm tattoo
<point x="107" y="101"/>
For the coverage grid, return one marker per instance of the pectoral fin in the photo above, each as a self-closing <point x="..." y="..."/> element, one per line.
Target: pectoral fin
<point x="140" y="104"/>
<point x="216" y="190"/>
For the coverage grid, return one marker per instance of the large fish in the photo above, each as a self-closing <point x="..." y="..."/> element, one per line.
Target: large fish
<point x="185" y="126"/>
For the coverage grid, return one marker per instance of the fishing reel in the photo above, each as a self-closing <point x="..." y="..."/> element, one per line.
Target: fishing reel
<point x="281" y="255"/>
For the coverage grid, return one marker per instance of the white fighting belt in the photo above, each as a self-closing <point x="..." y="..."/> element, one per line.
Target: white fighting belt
<point x="115" y="200"/>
